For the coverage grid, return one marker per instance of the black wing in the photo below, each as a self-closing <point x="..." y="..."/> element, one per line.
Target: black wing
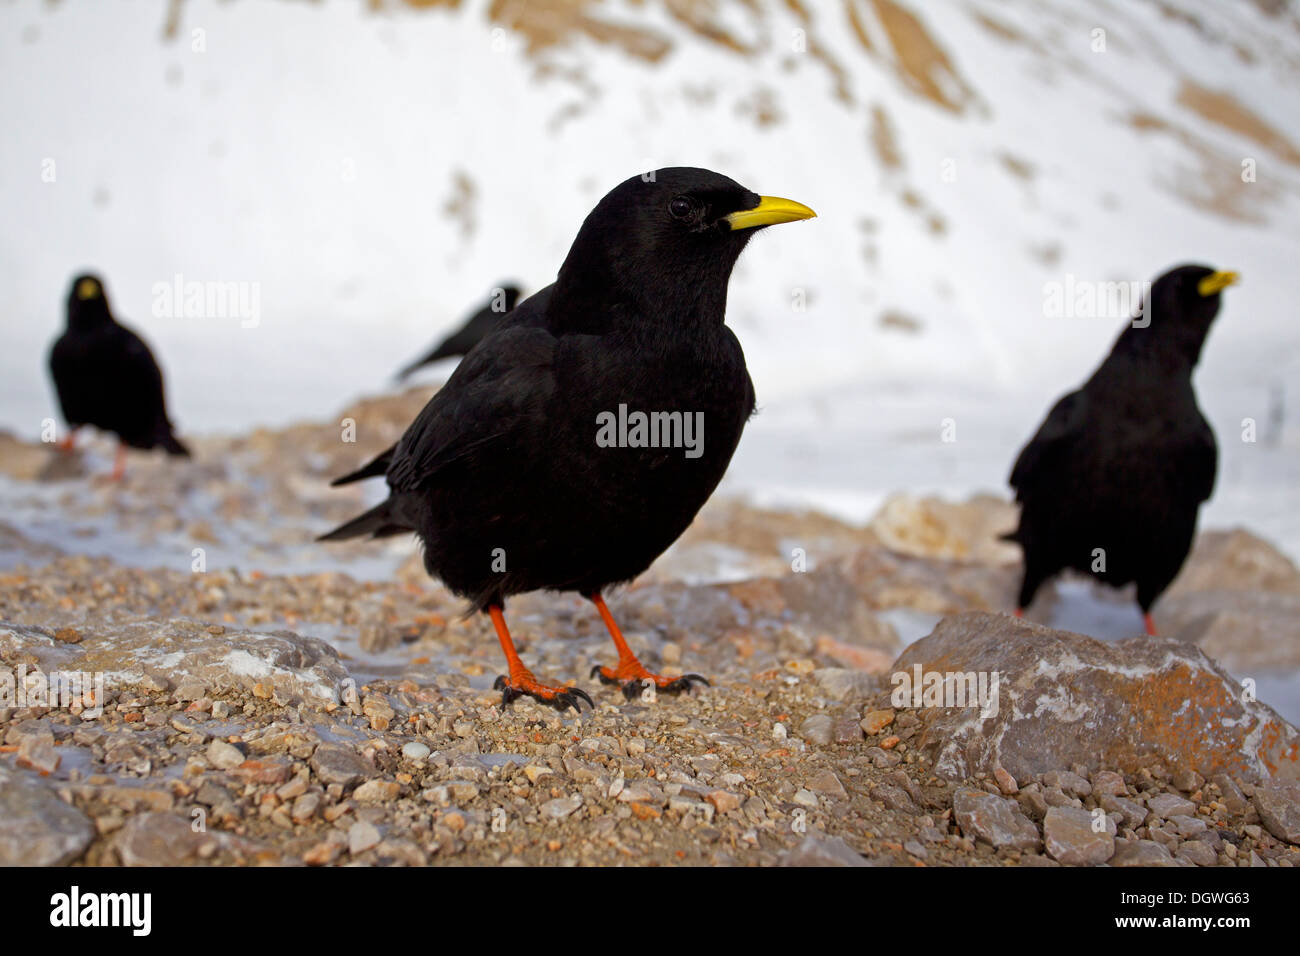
<point x="531" y="313"/>
<point x="498" y="392"/>
<point x="1201" y="462"/>
<point x="1063" y="426"/>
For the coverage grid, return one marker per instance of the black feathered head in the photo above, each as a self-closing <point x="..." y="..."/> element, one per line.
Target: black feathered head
<point x="667" y="241"/>
<point x="1178" y="312"/>
<point x="87" y="302"/>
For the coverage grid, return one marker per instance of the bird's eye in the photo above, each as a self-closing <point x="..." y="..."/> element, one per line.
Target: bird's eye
<point x="680" y="208"/>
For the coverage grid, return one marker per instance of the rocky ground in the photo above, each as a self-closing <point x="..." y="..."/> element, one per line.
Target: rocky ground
<point x="270" y="700"/>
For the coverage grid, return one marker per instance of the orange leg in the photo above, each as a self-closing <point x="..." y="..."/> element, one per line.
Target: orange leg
<point x="1151" y="625"/>
<point x="1018" y="612"/>
<point x="69" y="442"/>
<point x="521" y="682"/>
<point x="630" y="672"/>
<point x="119" y="463"/>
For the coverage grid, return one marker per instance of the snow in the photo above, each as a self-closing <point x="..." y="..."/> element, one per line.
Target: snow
<point x="312" y="150"/>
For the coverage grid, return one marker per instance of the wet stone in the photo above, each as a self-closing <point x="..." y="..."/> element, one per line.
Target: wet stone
<point x="1141" y="853"/>
<point x="335" y="763"/>
<point x="1067" y="782"/>
<point x="1132" y="812"/>
<point x="1278" y="806"/>
<point x="1108" y="782"/>
<point x="994" y="820"/>
<point x="1070" y="837"/>
<point x="817" y="729"/>
<point x="876" y="720"/>
<point x="827" y="783"/>
<point x="821" y="850"/>
<point x="36" y="827"/>
<point x="415" y="751"/>
<point x="1196" y="852"/>
<point x="224" y="756"/>
<point x="362" y="836"/>
<point x="1166" y="805"/>
<point x="842" y="684"/>
<point x="376" y="791"/>
<point x="560" y="807"/>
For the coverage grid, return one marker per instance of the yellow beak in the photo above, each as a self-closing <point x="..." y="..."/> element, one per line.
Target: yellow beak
<point x="770" y="211"/>
<point x="1216" y="282"/>
<point x="87" y="289"/>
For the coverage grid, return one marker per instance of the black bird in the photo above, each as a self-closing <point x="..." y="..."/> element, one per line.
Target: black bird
<point x="518" y="476"/>
<point x="476" y="327"/>
<point x="106" y="377"/>
<point x="1111" y="483"/>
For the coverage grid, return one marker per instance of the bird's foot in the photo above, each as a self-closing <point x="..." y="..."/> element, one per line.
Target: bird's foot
<point x="635" y="679"/>
<point x="524" y="684"/>
<point x="1150" y="625"/>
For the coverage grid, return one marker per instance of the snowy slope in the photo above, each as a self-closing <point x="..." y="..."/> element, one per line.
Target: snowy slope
<point x="374" y="172"/>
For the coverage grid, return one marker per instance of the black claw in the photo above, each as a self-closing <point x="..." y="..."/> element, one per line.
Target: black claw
<point x="683" y="683"/>
<point x="634" y="688"/>
<point x="579" y="692"/>
<point x="598" y="673"/>
<point x="561" y="701"/>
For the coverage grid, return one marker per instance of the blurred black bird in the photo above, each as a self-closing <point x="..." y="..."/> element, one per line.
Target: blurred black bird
<point x="476" y="327"/>
<point x="519" y="475"/>
<point x="106" y="376"/>
<point x="1111" y="483"/>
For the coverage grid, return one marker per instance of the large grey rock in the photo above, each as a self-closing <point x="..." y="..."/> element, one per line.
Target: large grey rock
<point x="1065" y="699"/>
<point x="1238" y="598"/>
<point x="1235" y="560"/>
<point x="185" y="652"/>
<point x="957" y="531"/>
<point x="1246" y="631"/>
<point x="994" y="820"/>
<point x="36" y="827"/>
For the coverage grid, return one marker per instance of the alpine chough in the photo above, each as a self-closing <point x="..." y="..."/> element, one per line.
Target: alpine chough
<point x="1111" y="483"/>
<point x="572" y="446"/>
<point x="476" y="327"/>
<point x="106" y="376"/>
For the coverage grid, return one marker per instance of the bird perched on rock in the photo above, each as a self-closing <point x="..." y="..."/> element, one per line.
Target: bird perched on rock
<point x="1111" y="483"/>
<point x="106" y="376"/>
<point x="476" y="327"/>
<point x="573" y="446"/>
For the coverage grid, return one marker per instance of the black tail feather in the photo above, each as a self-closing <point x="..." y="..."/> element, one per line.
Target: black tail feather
<point x="441" y="352"/>
<point x="379" y="522"/>
<point x="171" y="444"/>
<point x="371" y="469"/>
